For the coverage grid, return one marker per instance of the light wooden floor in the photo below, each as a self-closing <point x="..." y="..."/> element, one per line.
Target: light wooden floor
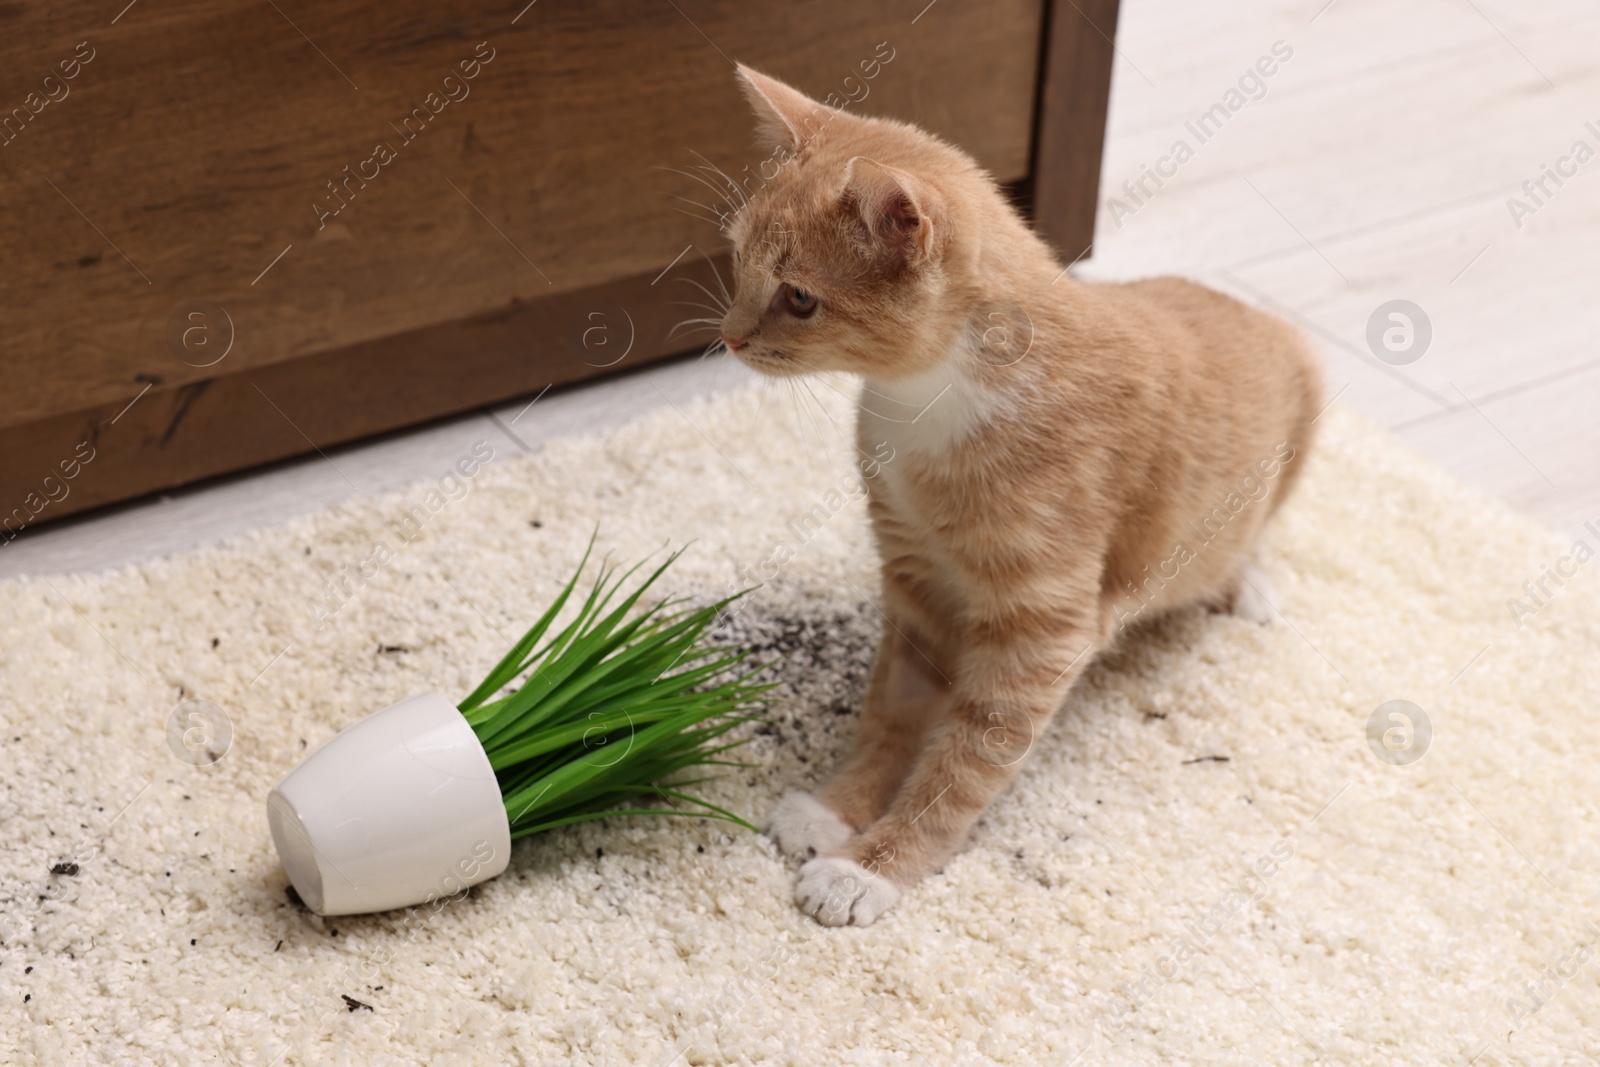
<point x="1375" y="166"/>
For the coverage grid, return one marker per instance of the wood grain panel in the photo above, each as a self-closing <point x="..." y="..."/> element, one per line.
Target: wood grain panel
<point x="193" y="147"/>
<point x="153" y="439"/>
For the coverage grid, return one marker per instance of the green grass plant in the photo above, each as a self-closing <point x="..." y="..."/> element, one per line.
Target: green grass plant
<point x="613" y="705"/>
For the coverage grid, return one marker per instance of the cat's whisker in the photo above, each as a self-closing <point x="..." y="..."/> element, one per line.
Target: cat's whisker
<point x="744" y="198"/>
<point x="734" y="206"/>
<point x="711" y="208"/>
<point x="840" y="381"/>
<point x="822" y="438"/>
<point x="716" y="188"/>
<point x="692" y="326"/>
<point x="766" y="391"/>
<point x="717" y="219"/>
<point x="719" y="311"/>
<point x="716" y="272"/>
<point x="802" y="416"/>
<point x="823" y="378"/>
<point x="695" y="215"/>
<point x="825" y="412"/>
<point x="788" y="386"/>
<point x="733" y="209"/>
<point x="688" y="339"/>
<point x="709" y="294"/>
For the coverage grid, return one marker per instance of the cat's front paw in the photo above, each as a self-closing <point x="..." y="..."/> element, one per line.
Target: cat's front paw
<point x="804" y="826"/>
<point x="837" y="891"/>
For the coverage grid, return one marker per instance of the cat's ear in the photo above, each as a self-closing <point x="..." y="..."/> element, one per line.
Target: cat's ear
<point x="898" y="210"/>
<point x="785" y="117"/>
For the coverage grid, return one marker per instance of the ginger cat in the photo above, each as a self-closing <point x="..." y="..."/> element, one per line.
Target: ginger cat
<point x="1069" y="458"/>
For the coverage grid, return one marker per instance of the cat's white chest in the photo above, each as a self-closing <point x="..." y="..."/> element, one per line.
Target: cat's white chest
<point x="928" y="413"/>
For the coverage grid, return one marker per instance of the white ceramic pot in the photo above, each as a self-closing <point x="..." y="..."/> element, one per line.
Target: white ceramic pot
<point x="399" y="809"/>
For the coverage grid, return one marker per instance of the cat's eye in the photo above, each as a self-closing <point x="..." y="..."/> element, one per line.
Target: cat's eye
<point x="795" y="301"/>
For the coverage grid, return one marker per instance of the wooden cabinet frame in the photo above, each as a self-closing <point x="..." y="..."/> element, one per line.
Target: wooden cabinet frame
<point x="75" y="451"/>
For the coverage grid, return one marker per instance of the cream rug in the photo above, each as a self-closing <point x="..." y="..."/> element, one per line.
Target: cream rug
<point x="1204" y="861"/>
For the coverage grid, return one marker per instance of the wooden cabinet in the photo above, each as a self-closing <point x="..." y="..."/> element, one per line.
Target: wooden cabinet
<point x="232" y="233"/>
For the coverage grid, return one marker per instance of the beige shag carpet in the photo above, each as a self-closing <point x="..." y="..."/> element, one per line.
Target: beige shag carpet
<point x="1204" y="862"/>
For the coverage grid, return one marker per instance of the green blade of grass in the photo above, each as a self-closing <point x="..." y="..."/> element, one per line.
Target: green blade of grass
<point x="569" y="680"/>
<point x="505" y="670"/>
<point x="585" y="641"/>
<point x="574" y="774"/>
<point x="657" y="752"/>
<point x="613" y="703"/>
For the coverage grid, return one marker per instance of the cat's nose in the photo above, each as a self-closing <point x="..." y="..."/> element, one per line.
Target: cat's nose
<point x="734" y="341"/>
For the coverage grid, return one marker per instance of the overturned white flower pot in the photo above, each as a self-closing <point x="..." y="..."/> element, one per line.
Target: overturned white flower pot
<point x="399" y="809"/>
<point x="421" y="800"/>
